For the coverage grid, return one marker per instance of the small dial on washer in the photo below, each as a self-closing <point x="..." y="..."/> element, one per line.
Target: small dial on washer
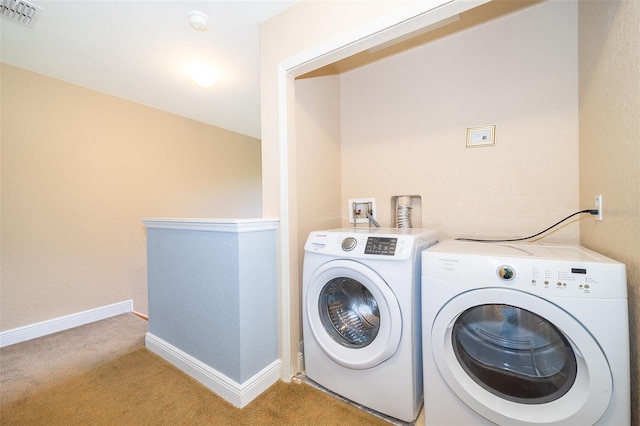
<point x="506" y="272"/>
<point x="349" y="244"/>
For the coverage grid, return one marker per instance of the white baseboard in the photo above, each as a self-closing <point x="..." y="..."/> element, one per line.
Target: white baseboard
<point x="237" y="394"/>
<point x="32" y="331"/>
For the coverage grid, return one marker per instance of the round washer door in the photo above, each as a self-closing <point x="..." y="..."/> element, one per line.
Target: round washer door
<point x="353" y="314"/>
<point x="518" y="359"/>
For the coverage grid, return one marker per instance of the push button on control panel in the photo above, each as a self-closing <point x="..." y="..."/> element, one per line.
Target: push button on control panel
<point x="349" y="244"/>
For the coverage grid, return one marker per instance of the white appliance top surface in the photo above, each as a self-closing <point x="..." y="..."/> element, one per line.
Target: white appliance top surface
<point x="380" y="232"/>
<point x="560" y="252"/>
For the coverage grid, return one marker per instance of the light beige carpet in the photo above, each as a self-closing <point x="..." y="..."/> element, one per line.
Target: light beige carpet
<point x="101" y="374"/>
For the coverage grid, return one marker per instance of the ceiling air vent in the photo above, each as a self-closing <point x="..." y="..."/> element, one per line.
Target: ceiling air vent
<point x="20" y="12"/>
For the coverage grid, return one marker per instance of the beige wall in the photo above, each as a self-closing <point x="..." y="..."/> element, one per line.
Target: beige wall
<point x="303" y="31"/>
<point x="80" y="170"/>
<point x="404" y="122"/>
<point x="318" y="153"/>
<point x="610" y="145"/>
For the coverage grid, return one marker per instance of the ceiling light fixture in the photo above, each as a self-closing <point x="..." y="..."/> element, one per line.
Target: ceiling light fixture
<point x="204" y="75"/>
<point x="198" y="20"/>
<point x="204" y="80"/>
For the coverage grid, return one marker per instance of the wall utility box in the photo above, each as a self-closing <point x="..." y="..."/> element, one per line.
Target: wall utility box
<point x="357" y="209"/>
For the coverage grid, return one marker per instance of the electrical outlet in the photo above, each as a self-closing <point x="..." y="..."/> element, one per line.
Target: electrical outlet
<point x="599" y="206"/>
<point x="357" y="209"/>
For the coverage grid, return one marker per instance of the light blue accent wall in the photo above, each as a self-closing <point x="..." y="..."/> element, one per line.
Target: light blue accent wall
<point x="213" y="294"/>
<point x="258" y="302"/>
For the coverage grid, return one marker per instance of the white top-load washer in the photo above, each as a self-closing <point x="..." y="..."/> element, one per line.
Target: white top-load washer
<point x="361" y="316"/>
<point x="524" y="334"/>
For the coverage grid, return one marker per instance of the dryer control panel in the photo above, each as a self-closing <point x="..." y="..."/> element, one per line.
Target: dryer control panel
<point x="549" y="270"/>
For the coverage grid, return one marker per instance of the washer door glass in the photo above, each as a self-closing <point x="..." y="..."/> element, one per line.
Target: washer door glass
<point x="514" y="353"/>
<point x="349" y="312"/>
<point x="352" y="314"/>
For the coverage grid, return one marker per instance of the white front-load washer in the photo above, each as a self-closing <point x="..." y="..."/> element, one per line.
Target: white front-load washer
<point x="361" y="316"/>
<point x="524" y="334"/>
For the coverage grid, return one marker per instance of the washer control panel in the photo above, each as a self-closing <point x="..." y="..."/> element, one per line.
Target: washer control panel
<point x="381" y="245"/>
<point x="377" y="243"/>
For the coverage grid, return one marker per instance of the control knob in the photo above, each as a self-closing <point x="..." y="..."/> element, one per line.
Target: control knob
<point x="506" y="272"/>
<point x="349" y="244"/>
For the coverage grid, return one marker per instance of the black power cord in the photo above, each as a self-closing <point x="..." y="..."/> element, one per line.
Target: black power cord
<point x="590" y="211"/>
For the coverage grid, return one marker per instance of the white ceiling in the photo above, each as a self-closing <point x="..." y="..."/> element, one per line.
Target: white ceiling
<point x="139" y="50"/>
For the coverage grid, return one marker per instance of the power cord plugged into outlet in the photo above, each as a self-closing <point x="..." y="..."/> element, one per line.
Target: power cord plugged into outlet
<point x="598" y="210"/>
<point x="594" y="212"/>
